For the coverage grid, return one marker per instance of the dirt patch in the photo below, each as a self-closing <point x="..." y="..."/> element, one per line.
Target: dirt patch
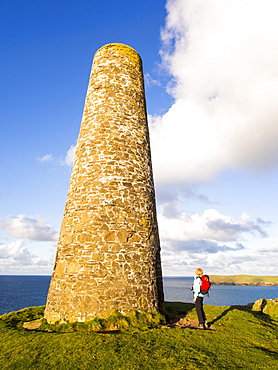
<point x="186" y="323"/>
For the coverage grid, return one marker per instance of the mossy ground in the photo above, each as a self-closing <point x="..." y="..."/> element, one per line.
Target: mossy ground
<point x="238" y="339"/>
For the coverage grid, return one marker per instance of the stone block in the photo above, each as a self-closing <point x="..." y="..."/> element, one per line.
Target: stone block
<point x="110" y="236"/>
<point x="122" y="235"/>
<point x="73" y="267"/>
<point x="78" y="227"/>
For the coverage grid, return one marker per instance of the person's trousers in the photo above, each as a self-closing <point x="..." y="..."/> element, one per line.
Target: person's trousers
<point x="200" y="310"/>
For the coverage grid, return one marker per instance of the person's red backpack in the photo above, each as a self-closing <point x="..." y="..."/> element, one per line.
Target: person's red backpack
<point x="205" y="284"/>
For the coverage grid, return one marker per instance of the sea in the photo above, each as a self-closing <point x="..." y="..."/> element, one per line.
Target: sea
<point x="17" y="292"/>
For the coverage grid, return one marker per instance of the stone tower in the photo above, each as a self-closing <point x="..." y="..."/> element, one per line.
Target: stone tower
<point x="108" y="255"/>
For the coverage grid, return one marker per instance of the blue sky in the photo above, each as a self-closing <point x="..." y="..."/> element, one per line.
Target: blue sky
<point x="211" y="77"/>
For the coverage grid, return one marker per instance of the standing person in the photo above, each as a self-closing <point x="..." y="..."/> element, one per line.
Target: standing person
<point x="198" y="298"/>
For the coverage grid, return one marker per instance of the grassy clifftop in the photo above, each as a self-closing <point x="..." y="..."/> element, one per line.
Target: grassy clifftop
<point x="238" y="338"/>
<point x="244" y="280"/>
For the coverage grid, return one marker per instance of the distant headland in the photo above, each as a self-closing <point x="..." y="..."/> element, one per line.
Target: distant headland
<point x="244" y="280"/>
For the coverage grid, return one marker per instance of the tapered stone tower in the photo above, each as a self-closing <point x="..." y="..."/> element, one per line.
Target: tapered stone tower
<point x="108" y="253"/>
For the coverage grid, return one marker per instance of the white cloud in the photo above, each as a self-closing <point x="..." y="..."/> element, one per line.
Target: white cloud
<point x="150" y="81"/>
<point x="223" y="58"/>
<point x="33" y="228"/>
<point x="65" y="161"/>
<point x="211" y="225"/>
<point x="238" y="259"/>
<point x="69" y="158"/>
<point x="214" y="241"/>
<point x="15" y="256"/>
<point x="45" y="158"/>
<point x="15" y="252"/>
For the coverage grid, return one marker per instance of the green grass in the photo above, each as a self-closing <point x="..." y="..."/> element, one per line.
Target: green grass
<point x="244" y="279"/>
<point x="239" y="339"/>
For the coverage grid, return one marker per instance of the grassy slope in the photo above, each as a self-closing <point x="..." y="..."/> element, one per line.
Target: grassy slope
<point x="244" y="279"/>
<point x="238" y="339"/>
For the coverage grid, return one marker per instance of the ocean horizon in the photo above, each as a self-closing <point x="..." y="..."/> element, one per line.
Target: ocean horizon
<point x="21" y="291"/>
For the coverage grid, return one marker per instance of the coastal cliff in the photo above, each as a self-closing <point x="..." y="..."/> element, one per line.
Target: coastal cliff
<point x="244" y="280"/>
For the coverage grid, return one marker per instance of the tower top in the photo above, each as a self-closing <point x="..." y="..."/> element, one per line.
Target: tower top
<point x="121" y="49"/>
